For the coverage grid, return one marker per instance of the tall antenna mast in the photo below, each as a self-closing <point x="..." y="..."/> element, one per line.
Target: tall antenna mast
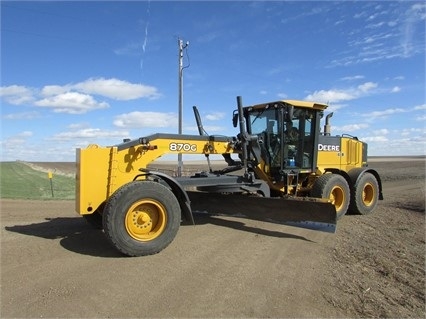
<point x="181" y="47"/>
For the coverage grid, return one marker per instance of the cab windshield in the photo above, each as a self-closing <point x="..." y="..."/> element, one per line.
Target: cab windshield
<point x="285" y="143"/>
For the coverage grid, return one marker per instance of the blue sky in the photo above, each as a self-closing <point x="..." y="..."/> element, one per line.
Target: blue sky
<point x="77" y="73"/>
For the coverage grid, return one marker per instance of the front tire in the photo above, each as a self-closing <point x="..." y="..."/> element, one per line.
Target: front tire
<point x="141" y="218"/>
<point x="365" y="195"/>
<point x="335" y="188"/>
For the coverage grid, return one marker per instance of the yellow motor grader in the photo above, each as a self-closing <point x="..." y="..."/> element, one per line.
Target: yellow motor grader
<point x="279" y="168"/>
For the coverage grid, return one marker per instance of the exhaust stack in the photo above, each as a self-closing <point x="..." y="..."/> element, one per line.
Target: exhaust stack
<point x="327" y="126"/>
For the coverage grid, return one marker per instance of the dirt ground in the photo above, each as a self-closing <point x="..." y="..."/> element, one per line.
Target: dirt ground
<point x="53" y="264"/>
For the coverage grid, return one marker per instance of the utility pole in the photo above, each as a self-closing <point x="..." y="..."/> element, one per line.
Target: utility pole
<point x="181" y="47"/>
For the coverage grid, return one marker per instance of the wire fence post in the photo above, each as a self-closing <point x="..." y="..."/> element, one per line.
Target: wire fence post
<point x="50" y="176"/>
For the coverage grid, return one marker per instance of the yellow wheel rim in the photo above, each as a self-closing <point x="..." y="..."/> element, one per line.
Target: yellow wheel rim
<point x="337" y="197"/>
<point x="368" y="194"/>
<point x="146" y="220"/>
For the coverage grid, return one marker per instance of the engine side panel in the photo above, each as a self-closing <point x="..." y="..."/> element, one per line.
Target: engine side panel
<point x="343" y="153"/>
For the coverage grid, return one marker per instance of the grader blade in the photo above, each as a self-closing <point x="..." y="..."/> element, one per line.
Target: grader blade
<point x="308" y="213"/>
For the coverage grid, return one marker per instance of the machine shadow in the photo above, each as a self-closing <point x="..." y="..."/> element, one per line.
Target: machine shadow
<point x="75" y="235"/>
<point x="202" y="218"/>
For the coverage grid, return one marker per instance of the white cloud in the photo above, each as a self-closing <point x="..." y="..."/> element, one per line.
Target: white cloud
<point x="382" y="131"/>
<point x="330" y="96"/>
<point x="405" y="133"/>
<point x="396" y="89"/>
<point x="207" y="128"/>
<point x="359" y="15"/>
<point x="22" y="147"/>
<point x="415" y="14"/>
<point x="50" y="90"/>
<point x="420" y="107"/>
<point x="111" y="88"/>
<point x="215" y="116"/>
<point x="375" y="25"/>
<point x="409" y="131"/>
<point x="78" y="126"/>
<point x="15" y="141"/>
<point x="332" y="107"/>
<point x="72" y="103"/>
<point x="17" y="94"/>
<point x="395" y="32"/>
<point x="116" y="89"/>
<point x="384" y="113"/>
<point x="391" y="111"/>
<point x="369" y="139"/>
<point x="406" y="145"/>
<point x="350" y="128"/>
<point x="13" y="90"/>
<point x="78" y="98"/>
<point x="21" y="116"/>
<point x="89" y="133"/>
<point x="212" y="128"/>
<point x="146" y="119"/>
<point x="415" y="134"/>
<point x="366" y="87"/>
<point x="352" y="78"/>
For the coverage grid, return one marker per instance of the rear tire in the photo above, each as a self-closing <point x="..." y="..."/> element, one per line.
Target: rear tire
<point x="141" y="218"/>
<point x="365" y="195"/>
<point x="335" y="188"/>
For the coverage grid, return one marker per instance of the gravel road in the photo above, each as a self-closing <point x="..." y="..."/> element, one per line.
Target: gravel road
<point x="53" y="264"/>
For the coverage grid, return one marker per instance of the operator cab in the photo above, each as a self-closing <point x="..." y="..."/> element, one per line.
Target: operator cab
<point x="286" y="133"/>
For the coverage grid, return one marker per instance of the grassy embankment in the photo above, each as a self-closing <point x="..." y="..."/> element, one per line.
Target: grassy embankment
<point x="19" y="181"/>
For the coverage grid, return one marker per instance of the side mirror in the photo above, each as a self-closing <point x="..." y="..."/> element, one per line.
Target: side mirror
<point x="235" y="118"/>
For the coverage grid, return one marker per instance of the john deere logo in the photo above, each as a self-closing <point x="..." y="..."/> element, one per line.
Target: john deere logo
<point x="328" y="148"/>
